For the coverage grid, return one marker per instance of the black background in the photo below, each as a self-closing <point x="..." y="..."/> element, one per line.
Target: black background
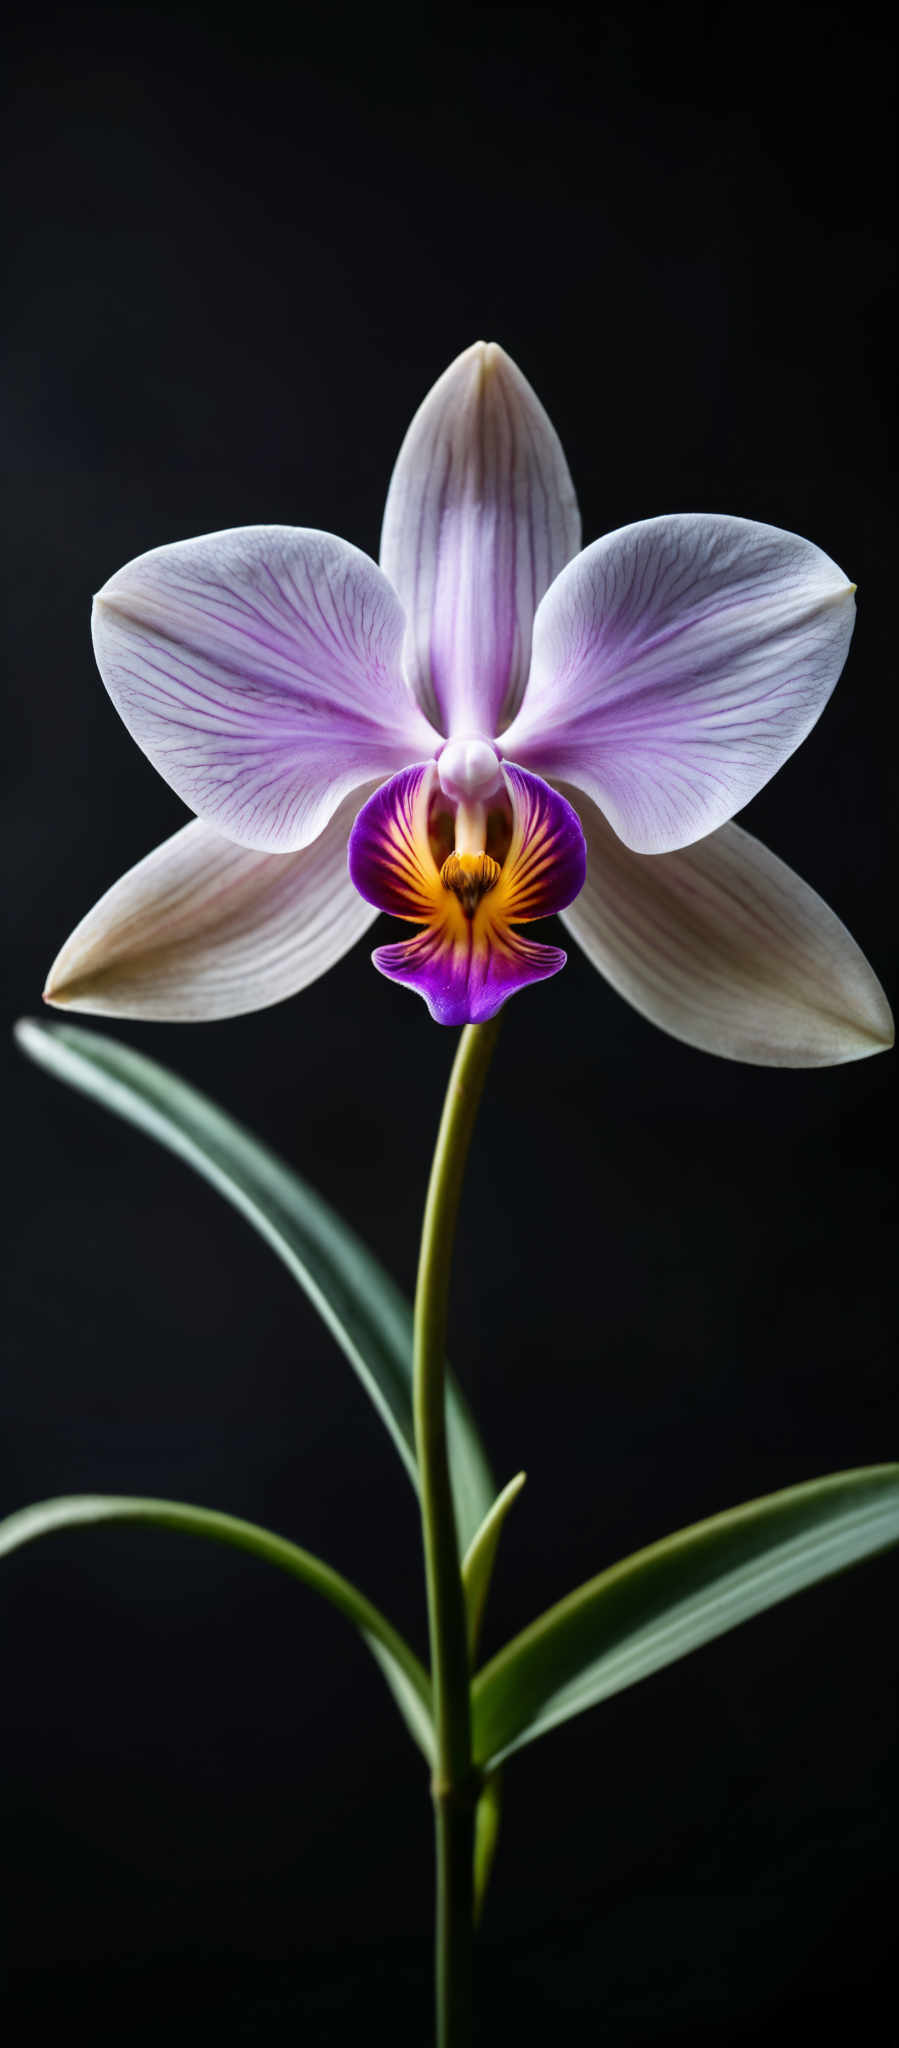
<point x="242" y="251"/>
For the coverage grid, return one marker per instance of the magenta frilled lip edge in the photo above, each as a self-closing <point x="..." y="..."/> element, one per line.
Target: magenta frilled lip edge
<point x="491" y="727"/>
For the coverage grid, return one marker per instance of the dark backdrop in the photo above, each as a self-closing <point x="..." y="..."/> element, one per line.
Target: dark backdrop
<point x="242" y="251"/>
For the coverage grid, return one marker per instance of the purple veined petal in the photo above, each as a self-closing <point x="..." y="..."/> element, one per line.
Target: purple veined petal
<point x="723" y="946"/>
<point x="204" y="928"/>
<point x="480" y="516"/>
<point x="466" y="963"/>
<point x="260" y="671"/>
<point x="677" y="664"/>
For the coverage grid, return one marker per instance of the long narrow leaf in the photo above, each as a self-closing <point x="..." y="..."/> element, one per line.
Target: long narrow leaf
<point x="480" y="1558"/>
<point x="407" y="1679"/>
<point x="360" y="1304"/>
<point x="663" y="1602"/>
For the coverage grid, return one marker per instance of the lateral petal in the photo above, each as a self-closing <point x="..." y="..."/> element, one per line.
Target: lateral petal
<point x="677" y="664"/>
<point x="723" y="946"/>
<point x="480" y="516"/>
<point x="259" y="669"/>
<point x="203" y="928"/>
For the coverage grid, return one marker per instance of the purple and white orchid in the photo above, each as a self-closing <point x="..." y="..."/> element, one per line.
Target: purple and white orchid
<point x="494" y="726"/>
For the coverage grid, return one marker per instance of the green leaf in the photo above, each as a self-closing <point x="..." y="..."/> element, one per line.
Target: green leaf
<point x="663" y="1602"/>
<point x="360" y="1304"/>
<point x="480" y="1557"/>
<point x="487" y="1815"/>
<point x="406" y="1677"/>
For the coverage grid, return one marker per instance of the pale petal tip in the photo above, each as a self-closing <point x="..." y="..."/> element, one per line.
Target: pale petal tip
<point x="869" y="1028"/>
<point x="65" y="983"/>
<point x="489" y="357"/>
<point x="842" y="593"/>
<point x="834" y="1037"/>
<point x="472" y="367"/>
<point x="54" y="993"/>
<point x="105" y="604"/>
<point x="496" y="361"/>
<point x="881" y="1033"/>
<point x="108" y="591"/>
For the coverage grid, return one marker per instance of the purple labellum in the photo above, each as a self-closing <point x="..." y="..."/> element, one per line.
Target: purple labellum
<point x="468" y="960"/>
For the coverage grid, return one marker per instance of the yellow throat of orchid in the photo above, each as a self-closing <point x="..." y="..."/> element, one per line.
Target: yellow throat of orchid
<point x="469" y="876"/>
<point x="470" y="871"/>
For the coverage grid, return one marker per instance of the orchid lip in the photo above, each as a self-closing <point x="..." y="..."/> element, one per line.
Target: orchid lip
<point x="467" y="960"/>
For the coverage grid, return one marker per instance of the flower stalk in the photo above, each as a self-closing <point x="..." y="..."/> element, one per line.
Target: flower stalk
<point x="454" y="1782"/>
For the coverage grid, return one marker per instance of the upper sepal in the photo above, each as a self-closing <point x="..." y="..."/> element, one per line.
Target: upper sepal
<point x="480" y="516"/>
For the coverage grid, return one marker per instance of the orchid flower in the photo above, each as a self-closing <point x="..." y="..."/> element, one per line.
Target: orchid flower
<point x="488" y="728"/>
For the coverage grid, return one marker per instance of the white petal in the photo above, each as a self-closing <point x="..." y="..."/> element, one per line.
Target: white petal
<point x="260" y="671"/>
<point x="677" y="664"/>
<point x="480" y="516"/>
<point x="722" y="945"/>
<point x="204" y="928"/>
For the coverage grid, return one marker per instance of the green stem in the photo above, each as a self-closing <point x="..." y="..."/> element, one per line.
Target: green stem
<point x="454" y="1784"/>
